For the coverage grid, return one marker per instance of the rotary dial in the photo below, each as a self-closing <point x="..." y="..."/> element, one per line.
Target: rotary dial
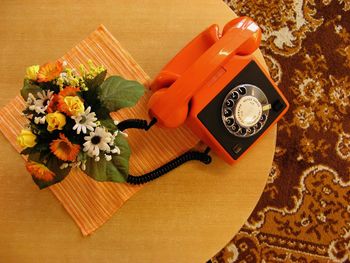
<point x="245" y="110"/>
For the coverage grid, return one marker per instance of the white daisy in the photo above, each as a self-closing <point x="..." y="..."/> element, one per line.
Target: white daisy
<point x="98" y="140"/>
<point x="83" y="166"/>
<point x="85" y="121"/>
<point x="64" y="166"/>
<point x="40" y="120"/>
<point x="39" y="104"/>
<point x="108" y="157"/>
<point x="115" y="150"/>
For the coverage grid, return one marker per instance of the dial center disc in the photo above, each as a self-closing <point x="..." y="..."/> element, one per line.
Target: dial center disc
<point x="248" y="111"/>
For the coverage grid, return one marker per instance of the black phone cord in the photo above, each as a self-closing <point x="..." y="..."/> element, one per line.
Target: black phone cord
<point x="191" y="155"/>
<point x="187" y="156"/>
<point x="136" y="124"/>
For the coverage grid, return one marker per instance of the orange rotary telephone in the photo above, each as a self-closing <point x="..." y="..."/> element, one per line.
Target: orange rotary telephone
<point x="217" y="87"/>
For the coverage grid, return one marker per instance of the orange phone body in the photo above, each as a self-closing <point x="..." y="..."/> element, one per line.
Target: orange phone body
<point x="217" y="87"/>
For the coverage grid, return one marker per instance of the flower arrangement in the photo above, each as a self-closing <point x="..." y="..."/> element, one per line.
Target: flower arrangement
<point x="69" y="124"/>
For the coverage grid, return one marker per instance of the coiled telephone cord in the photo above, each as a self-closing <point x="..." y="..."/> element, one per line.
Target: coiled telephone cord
<point x="191" y="155"/>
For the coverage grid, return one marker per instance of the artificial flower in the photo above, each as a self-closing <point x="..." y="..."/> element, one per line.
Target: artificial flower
<point x="40" y="120"/>
<point x="40" y="103"/>
<point x="61" y="114"/>
<point x="64" y="166"/>
<point x="115" y="150"/>
<point x="108" y="157"/>
<point x="73" y="105"/>
<point x="69" y="102"/>
<point x="40" y="171"/>
<point x="70" y="78"/>
<point x="63" y="149"/>
<point x="85" y="121"/>
<point x="69" y="91"/>
<point x="26" y="138"/>
<point x="92" y="71"/>
<point x="53" y="104"/>
<point x="98" y="140"/>
<point x="55" y="121"/>
<point x="49" y="71"/>
<point x="32" y="72"/>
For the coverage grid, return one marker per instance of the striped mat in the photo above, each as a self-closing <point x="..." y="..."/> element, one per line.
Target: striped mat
<point x="92" y="203"/>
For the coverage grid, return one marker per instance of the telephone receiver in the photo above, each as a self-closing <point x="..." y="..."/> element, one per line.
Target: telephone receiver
<point x="217" y="87"/>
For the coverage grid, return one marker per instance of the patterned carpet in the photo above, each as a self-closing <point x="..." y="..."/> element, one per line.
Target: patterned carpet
<point x="304" y="212"/>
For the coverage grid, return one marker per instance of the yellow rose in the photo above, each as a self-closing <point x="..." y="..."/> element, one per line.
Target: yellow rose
<point x="32" y="72"/>
<point x="26" y="138"/>
<point x="74" y="104"/>
<point x="55" y="121"/>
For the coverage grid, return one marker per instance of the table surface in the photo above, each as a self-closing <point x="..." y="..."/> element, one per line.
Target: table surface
<point x="186" y="216"/>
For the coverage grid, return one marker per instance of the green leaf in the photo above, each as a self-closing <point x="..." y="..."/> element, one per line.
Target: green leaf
<point x="96" y="81"/>
<point x="116" y="170"/>
<point x="42" y="147"/>
<point x="27" y="151"/>
<point x="109" y="124"/>
<point x="105" y="119"/>
<point x="116" y="93"/>
<point x="29" y="87"/>
<point x="101" y="112"/>
<point x="53" y="164"/>
<point x="91" y="95"/>
<point x="27" y="111"/>
<point x="121" y="161"/>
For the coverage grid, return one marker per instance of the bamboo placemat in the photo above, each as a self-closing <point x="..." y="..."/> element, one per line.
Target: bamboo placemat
<point x="92" y="203"/>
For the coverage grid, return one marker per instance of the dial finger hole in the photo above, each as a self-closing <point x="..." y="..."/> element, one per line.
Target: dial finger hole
<point x="235" y="95"/>
<point x="227" y="113"/>
<point x="243" y="131"/>
<point x="229" y="103"/>
<point x="229" y="121"/>
<point x="242" y="90"/>
<point x="250" y="130"/>
<point x="235" y="128"/>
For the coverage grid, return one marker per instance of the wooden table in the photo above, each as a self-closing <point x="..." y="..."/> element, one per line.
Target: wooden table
<point x="185" y="217"/>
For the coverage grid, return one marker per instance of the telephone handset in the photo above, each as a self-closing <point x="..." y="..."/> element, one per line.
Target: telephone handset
<point x="217" y="87"/>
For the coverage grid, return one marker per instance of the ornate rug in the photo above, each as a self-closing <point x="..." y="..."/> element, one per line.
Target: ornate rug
<point x="304" y="212"/>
